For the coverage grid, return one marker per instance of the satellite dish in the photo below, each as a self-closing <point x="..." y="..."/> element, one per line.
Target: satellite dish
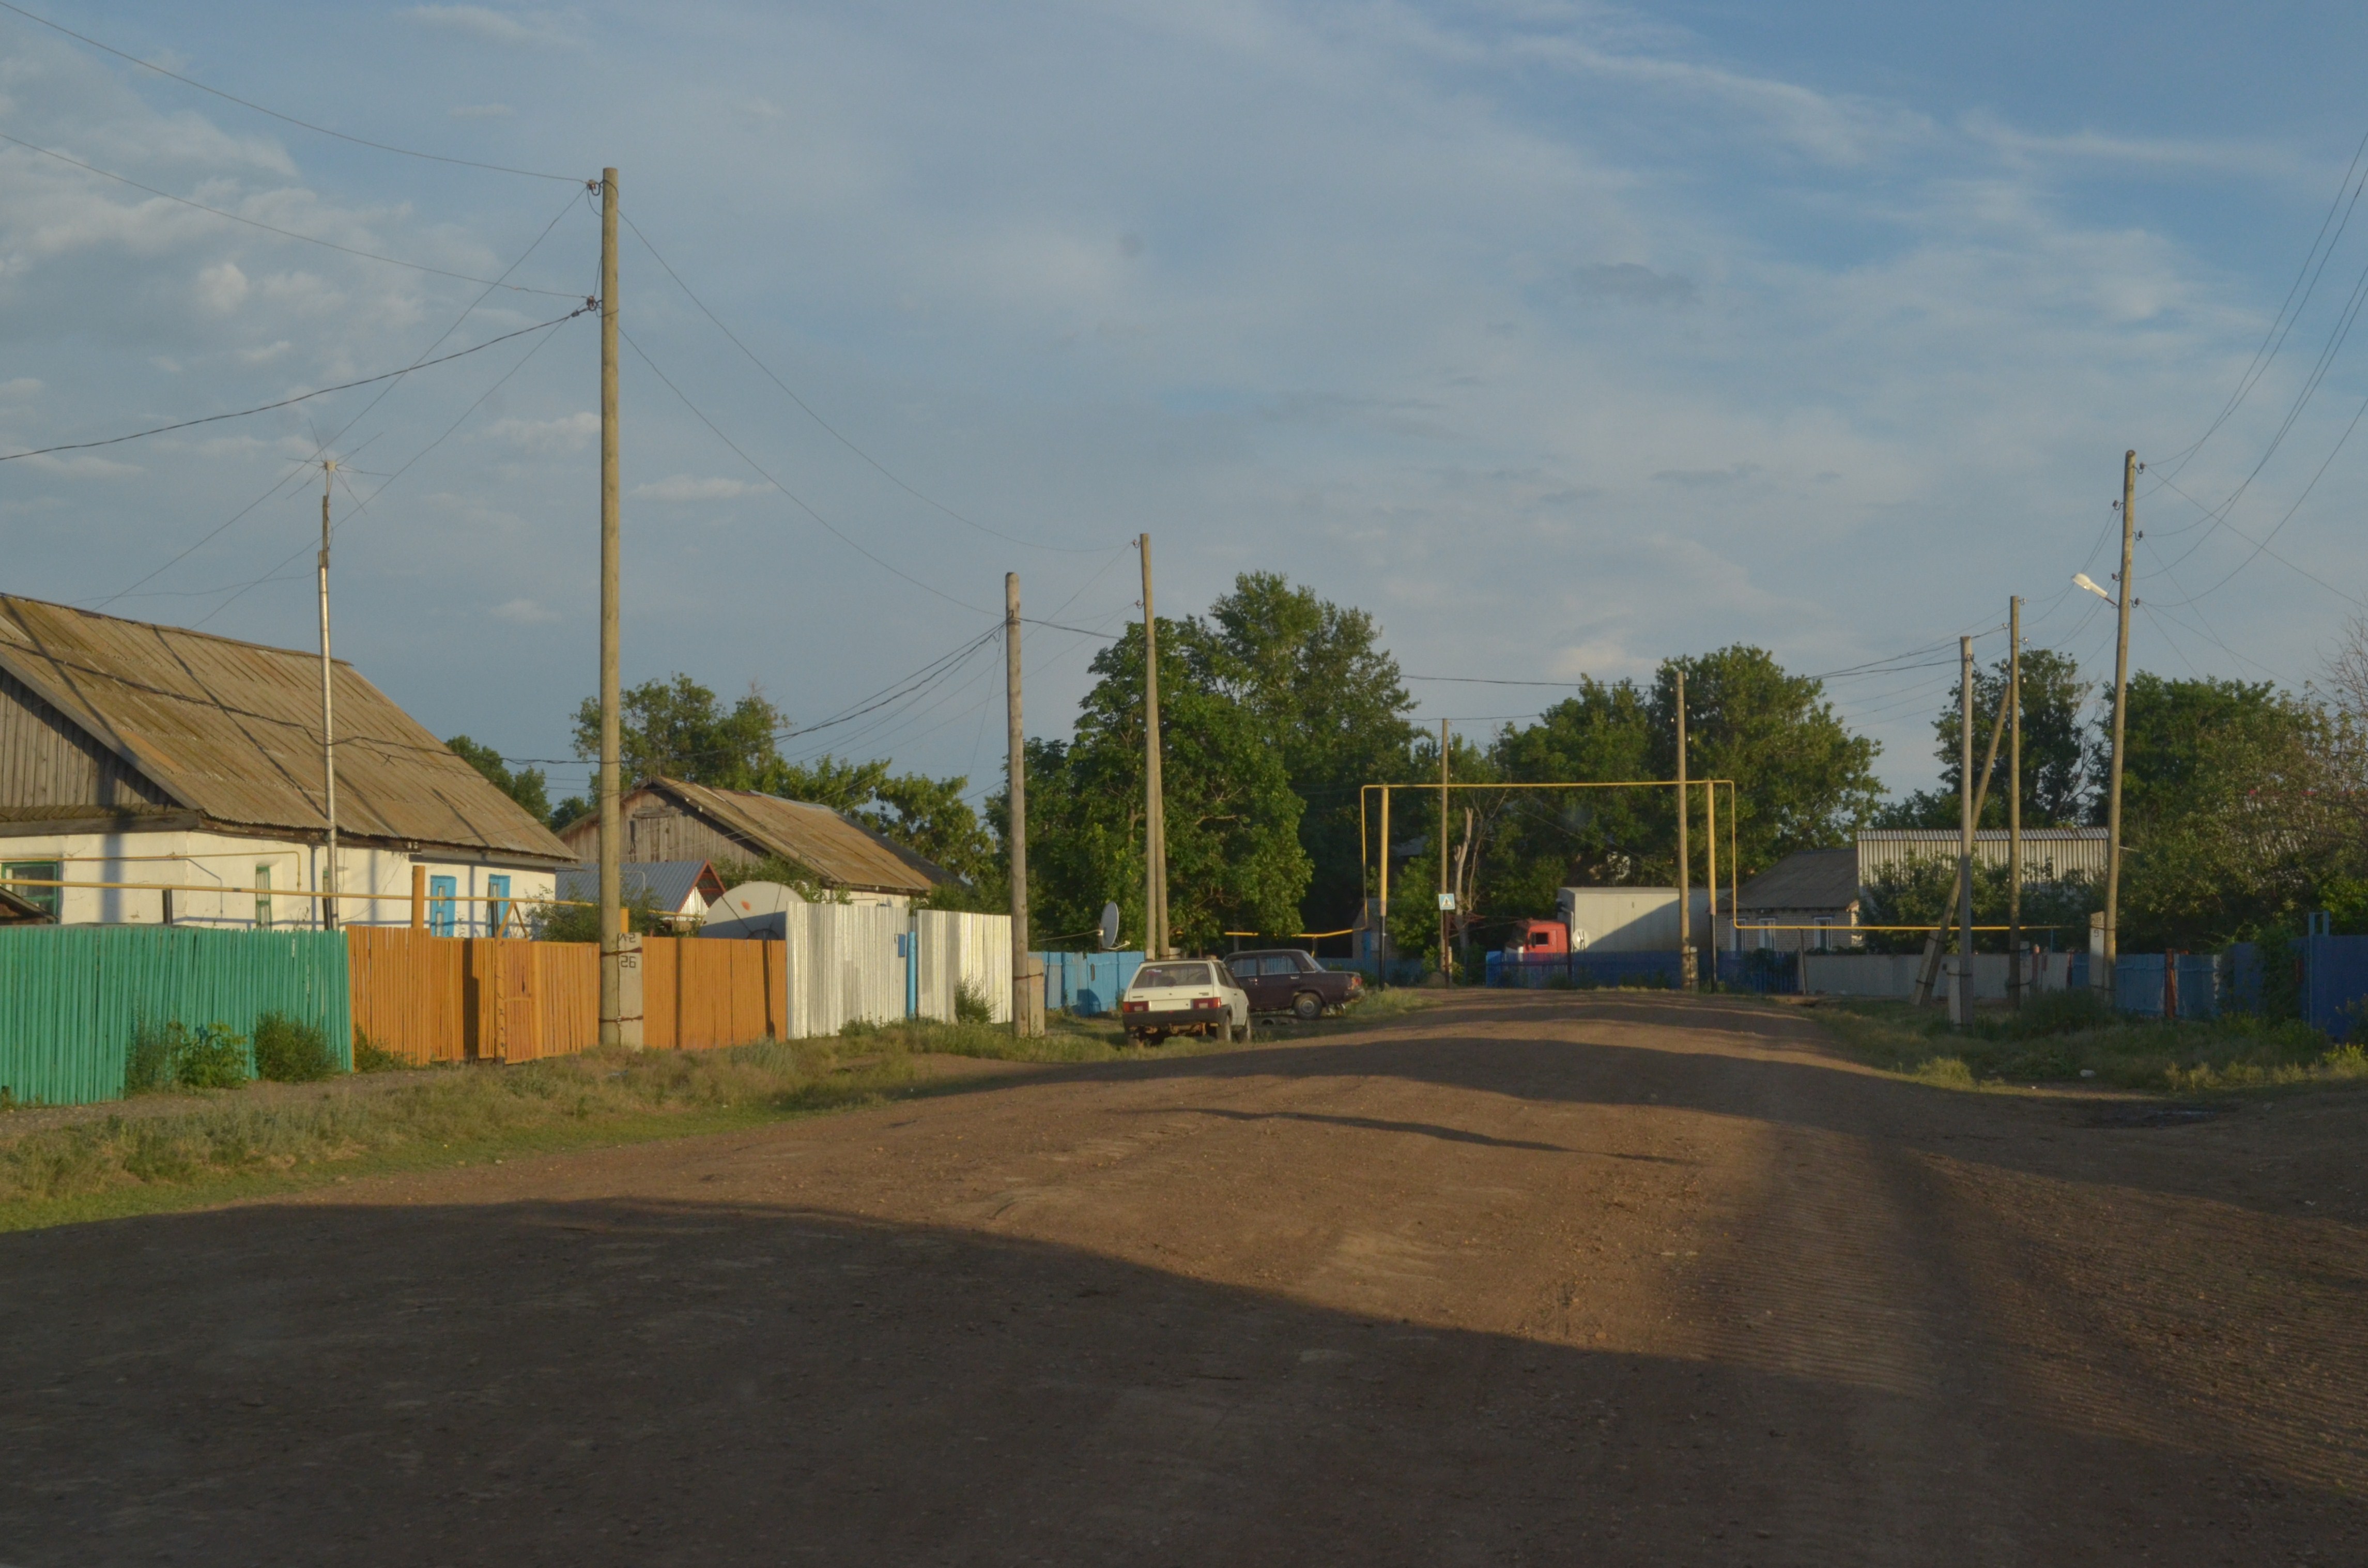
<point x="1109" y="932"/>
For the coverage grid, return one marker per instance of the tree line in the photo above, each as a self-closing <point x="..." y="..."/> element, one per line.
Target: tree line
<point x="2241" y="801"/>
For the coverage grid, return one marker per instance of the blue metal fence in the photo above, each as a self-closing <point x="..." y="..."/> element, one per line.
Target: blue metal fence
<point x="2334" y="982"/>
<point x="1086" y="984"/>
<point x="1763" y="969"/>
<point x="1586" y="971"/>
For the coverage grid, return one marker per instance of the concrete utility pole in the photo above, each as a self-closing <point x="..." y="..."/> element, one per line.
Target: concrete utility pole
<point x="612" y="831"/>
<point x="1154" y="805"/>
<point x="328" y="730"/>
<point x="1685" y="858"/>
<point x="2014" y="803"/>
<point x="2100" y="975"/>
<point x="1710" y="874"/>
<point x="1443" y="888"/>
<point x="1960" y="995"/>
<point x="1026" y="1010"/>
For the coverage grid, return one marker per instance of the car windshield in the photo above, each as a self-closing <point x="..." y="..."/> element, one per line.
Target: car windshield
<point x="1152" y="975"/>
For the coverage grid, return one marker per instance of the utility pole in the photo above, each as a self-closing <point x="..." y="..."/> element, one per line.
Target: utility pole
<point x="328" y="733"/>
<point x="1960" y="995"/>
<point x="2014" y="804"/>
<point x="2100" y="975"/>
<point x="1445" y="974"/>
<point x="1382" y="943"/>
<point x="1026" y="1006"/>
<point x="1154" y="807"/>
<point x="1685" y="859"/>
<point x="612" y="831"/>
<point x="1710" y="873"/>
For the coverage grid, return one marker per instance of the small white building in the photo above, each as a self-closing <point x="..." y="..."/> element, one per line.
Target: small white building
<point x="170" y="776"/>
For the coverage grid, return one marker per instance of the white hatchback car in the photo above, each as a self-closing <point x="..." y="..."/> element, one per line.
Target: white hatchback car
<point x="1184" y="997"/>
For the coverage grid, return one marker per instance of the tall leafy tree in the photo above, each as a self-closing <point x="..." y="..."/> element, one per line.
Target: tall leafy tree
<point x="1329" y="700"/>
<point x="527" y="786"/>
<point x="1803" y="780"/>
<point x="1234" y="856"/>
<point x="1578" y="837"/>
<point x="2057" y="776"/>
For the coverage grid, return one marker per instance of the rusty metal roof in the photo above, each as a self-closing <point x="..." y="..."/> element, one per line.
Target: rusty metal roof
<point x="839" y="850"/>
<point x="232" y="730"/>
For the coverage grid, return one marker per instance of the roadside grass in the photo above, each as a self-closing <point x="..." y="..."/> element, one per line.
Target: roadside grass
<point x="2073" y="1037"/>
<point x="219" y="1145"/>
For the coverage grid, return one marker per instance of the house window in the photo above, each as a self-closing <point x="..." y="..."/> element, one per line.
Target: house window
<point x="263" y="898"/>
<point x="441" y="896"/>
<point x="497" y="909"/>
<point x="43" y="899"/>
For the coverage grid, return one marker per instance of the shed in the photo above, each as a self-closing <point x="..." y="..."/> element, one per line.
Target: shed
<point x="681" y="892"/>
<point x="2049" y="854"/>
<point x="1813" y="891"/>
<point x="136" y="752"/>
<point x="672" y="819"/>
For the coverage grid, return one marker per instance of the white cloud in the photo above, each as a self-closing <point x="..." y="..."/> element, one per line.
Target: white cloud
<point x="80" y="465"/>
<point x="264" y="354"/>
<point x="19" y="387"/>
<point x="569" y="433"/>
<point x="221" y="289"/>
<point x="478" y="111"/>
<point x="523" y="612"/>
<point x="682" y="487"/>
<point x="492" y="26"/>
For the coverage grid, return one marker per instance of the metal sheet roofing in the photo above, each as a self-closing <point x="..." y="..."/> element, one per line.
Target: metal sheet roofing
<point x="232" y="730"/>
<point x="841" y="851"/>
<point x="668" y="884"/>
<point x="1806" y="879"/>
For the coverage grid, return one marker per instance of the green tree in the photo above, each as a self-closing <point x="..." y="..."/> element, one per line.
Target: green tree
<point x="1803" y="780"/>
<point x="1234" y="856"/>
<point x="1329" y="701"/>
<point x="1577" y="837"/>
<point x="677" y="729"/>
<point x="527" y="786"/>
<point x="2055" y="757"/>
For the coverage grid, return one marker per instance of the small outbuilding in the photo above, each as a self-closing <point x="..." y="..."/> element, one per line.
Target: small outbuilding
<point x="681" y="891"/>
<point x="1808" y="902"/>
<point x="672" y="819"/>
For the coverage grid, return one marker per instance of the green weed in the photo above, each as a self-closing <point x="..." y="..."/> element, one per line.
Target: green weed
<point x="289" y="1050"/>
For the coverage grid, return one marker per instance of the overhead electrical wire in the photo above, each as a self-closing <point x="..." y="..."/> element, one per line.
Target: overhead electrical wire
<point x="275" y="114"/>
<point x="301" y="397"/>
<point x="832" y="430"/>
<point x="274" y="228"/>
<point x="763" y="473"/>
<point x="321" y="446"/>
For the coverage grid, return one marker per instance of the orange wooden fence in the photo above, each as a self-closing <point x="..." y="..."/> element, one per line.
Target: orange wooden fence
<point x="431" y="999"/>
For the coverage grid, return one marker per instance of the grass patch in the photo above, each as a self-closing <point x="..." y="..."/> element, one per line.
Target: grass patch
<point x="235" y="1142"/>
<point x="2075" y="1037"/>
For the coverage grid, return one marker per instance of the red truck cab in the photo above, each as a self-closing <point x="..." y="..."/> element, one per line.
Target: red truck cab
<point x="1538" y="939"/>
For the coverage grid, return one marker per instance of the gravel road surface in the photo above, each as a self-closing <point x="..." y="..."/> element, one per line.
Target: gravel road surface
<point x="1525" y="1278"/>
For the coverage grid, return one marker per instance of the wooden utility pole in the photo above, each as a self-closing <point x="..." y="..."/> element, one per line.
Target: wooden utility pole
<point x="329" y="728"/>
<point x="1960" y="995"/>
<point x="612" y="831"/>
<point x="1444" y="971"/>
<point x="2014" y="803"/>
<point x="1154" y="805"/>
<point x="1710" y="875"/>
<point x="1382" y="944"/>
<point x="2100" y="975"/>
<point x="1685" y="858"/>
<point x="1026" y="1007"/>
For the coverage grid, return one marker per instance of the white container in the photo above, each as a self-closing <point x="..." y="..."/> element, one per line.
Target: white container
<point x="1628" y="920"/>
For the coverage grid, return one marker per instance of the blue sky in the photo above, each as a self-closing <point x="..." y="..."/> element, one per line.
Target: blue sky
<point x="1562" y="337"/>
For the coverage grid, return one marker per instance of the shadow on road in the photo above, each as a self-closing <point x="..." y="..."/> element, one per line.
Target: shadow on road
<point x="609" y="1382"/>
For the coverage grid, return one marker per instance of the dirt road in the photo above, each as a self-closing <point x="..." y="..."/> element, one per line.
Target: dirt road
<point x="1542" y="1279"/>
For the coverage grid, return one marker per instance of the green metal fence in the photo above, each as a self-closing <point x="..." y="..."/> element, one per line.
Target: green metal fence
<point x="72" y="995"/>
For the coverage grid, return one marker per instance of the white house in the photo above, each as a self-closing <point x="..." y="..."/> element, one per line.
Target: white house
<point x="164" y="775"/>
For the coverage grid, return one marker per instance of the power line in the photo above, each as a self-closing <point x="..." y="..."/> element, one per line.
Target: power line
<point x="834" y="431"/>
<point x="320" y="448"/>
<point x="273" y="228"/>
<point x="286" y="119"/>
<point x="301" y="397"/>
<point x="718" y="432"/>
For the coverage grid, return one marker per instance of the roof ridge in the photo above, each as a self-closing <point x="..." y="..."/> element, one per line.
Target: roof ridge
<point x="10" y="600"/>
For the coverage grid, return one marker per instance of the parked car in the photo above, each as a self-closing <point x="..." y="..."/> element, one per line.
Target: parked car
<point x="1289" y="980"/>
<point x="1184" y="997"/>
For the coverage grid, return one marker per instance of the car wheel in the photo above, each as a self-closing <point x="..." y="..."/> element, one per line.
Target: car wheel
<point x="1249" y="1030"/>
<point x="1307" y="1006"/>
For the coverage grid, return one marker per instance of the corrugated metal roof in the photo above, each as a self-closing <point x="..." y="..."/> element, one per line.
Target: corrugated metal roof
<point x="2048" y="852"/>
<point x="667" y="882"/>
<point x="232" y="730"/>
<point x="835" y="847"/>
<point x="1806" y="879"/>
